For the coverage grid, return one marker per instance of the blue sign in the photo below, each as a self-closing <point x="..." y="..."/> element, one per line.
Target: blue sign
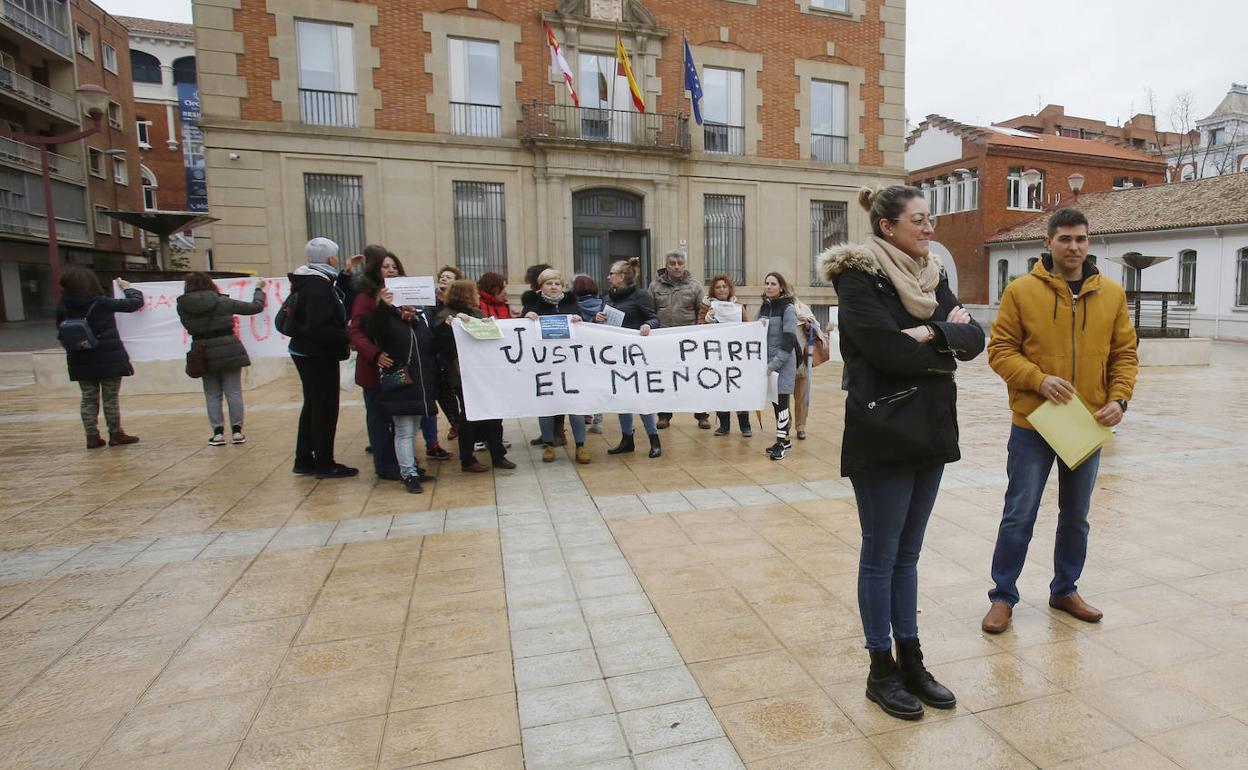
<point x="554" y="327"/>
<point x="193" y="148"/>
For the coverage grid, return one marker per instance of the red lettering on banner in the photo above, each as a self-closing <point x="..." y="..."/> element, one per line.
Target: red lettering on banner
<point x="263" y="333"/>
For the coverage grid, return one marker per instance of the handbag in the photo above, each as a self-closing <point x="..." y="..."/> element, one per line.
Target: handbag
<point x="817" y="347"/>
<point x="197" y="360"/>
<point x="400" y="377"/>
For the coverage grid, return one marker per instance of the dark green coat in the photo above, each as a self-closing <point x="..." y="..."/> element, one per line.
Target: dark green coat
<point x="209" y="316"/>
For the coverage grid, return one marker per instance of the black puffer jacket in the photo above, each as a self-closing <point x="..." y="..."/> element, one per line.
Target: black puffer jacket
<point x="637" y="306"/>
<point x="411" y="344"/>
<point x="107" y="360"/>
<point x="444" y="344"/>
<point x="320" y="316"/>
<point x="901" y="409"/>
<point x="209" y="317"/>
<point x="567" y="306"/>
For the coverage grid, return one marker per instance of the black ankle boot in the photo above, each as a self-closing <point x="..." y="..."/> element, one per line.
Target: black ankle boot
<point x="625" y="445"/>
<point x="916" y="679"/>
<point x="885" y="689"/>
<point x="656" y="449"/>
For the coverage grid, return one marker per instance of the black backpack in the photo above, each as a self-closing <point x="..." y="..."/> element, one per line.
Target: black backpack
<point x="286" y="318"/>
<point x="75" y="334"/>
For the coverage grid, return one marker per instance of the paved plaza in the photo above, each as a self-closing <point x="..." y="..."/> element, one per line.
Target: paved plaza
<point x="175" y="605"/>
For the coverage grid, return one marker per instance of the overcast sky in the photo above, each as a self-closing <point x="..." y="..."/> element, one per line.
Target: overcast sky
<point x="980" y="61"/>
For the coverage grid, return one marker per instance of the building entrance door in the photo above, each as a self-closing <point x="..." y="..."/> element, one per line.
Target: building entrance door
<point x="607" y="226"/>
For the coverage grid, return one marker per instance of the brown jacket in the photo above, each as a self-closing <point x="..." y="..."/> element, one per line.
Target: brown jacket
<point x="676" y="302"/>
<point x="1042" y="330"/>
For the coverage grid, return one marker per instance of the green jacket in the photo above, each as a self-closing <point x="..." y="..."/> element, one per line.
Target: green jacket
<point x="209" y="316"/>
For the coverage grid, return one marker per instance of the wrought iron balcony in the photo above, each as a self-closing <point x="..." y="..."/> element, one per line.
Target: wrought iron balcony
<point x="21" y="154"/>
<point x="723" y="138"/>
<point x="829" y="148"/>
<point x="328" y="108"/>
<point x="546" y="123"/>
<point x="39" y="95"/>
<point x="468" y="119"/>
<point x="51" y="28"/>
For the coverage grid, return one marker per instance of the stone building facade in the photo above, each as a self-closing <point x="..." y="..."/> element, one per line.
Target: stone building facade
<point x="440" y="130"/>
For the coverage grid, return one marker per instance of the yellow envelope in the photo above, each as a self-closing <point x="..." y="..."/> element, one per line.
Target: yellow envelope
<point x="1070" y="429"/>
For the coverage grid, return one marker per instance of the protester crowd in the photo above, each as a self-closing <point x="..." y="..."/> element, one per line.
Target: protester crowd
<point x="902" y="334"/>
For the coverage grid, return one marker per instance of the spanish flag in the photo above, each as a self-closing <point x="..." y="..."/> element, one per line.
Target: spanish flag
<point x="623" y="67"/>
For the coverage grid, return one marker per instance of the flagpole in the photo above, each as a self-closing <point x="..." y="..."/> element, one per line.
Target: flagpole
<point x="615" y="75"/>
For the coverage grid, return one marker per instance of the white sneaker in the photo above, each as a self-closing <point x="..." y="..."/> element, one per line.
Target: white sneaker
<point x="506" y="444"/>
<point x="218" y="439"/>
<point x="479" y="446"/>
<point x="238" y="437"/>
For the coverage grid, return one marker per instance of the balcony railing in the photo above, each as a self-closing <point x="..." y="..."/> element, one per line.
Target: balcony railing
<point x="328" y="108"/>
<point x="26" y="156"/>
<point x="468" y="119"/>
<point x="1155" y="314"/>
<point x="20" y="222"/>
<point x="829" y="148"/>
<point x="52" y="30"/>
<point x="564" y="123"/>
<point x="45" y="97"/>
<point x="723" y="138"/>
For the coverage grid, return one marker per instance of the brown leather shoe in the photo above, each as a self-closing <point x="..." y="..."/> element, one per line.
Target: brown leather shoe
<point x="1076" y="607"/>
<point x="474" y="467"/>
<point x="998" y="618"/>
<point x="504" y="464"/>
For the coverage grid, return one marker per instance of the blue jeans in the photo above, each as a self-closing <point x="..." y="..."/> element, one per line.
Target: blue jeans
<point x="647" y="421"/>
<point x="377" y="422"/>
<point x="429" y="429"/>
<point x="405" y="443"/>
<point x="1028" y="465"/>
<point x="893" y="510"/>
<point x="547" y="424"/>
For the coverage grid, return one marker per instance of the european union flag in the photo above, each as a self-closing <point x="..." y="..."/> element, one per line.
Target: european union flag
<point x="693" y="84"/>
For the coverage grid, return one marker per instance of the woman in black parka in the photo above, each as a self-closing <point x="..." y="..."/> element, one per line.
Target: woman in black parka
<point x="98" y="371"/>
<point x="638" y="308"/>
<point x="552" y="299"/>
<point x="902" y="333"/>
<point x="408" y="344"/>
<point x="208" y="315"/>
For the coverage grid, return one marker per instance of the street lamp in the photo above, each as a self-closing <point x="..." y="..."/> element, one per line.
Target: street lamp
<point x="94" y="100"/>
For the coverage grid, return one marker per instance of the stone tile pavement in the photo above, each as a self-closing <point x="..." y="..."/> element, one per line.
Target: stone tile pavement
<point x="173" y="605"/>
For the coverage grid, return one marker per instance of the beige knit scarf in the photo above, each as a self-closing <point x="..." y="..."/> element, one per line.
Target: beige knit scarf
<point x="914" y="279"/>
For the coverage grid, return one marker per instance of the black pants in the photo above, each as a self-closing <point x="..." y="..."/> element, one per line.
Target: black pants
<point x="743" y="419"/>
<point x="696" y="415"/>
<point x="488" y="431"/>
<point x="318" y="420"/>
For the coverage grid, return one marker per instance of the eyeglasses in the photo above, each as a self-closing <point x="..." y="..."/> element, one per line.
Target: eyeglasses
<point x="921" y="220"/>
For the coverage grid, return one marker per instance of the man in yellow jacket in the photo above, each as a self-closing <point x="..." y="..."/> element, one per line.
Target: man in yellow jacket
<point x="1062" y="331"/>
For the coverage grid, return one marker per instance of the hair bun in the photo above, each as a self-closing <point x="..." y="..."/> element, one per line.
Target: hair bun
<point x="634" y="261"/>
<point x="866" y="197"/>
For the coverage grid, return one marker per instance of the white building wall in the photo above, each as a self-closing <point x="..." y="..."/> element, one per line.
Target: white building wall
<point x="1215" y="313"/>
<point x="935" y="146"/>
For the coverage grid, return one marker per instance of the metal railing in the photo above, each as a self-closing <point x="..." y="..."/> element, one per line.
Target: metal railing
<point x="560" y="123"/>
<point x="468" y="119"/>
<point x="829" y="148"/>
<point x="328" y="108"/>
<point x="27" y="156"/>
<point x="723" y="138"/>
<point x="52" y="32"/>
<point x="57" y="102"/>
<point x="21" y="222"/>
<point x="1160" y="313"/>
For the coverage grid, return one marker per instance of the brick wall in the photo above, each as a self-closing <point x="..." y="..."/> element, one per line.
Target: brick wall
<point x="776" y="28"/>
<point x="104" y="192"/>
<point x="964" y="234"/>
<point x="165" y="164"/>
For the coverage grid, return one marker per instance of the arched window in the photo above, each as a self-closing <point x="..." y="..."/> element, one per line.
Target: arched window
<point x="144" y="68"/>
<point x="184" y="70"/>
<point x="1187" y="272"/>
<point x="149" y="188"/>
<point x="1031" y="263"/>
<point x="1003" y="276"/>
<point x="1189" y="172"/>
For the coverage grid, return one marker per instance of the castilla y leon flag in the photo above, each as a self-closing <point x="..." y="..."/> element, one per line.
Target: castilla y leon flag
<point x="557" y="62"/>
<point x="626" y="69"/>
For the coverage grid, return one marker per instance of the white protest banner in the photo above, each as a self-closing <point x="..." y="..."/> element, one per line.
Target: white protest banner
<point x="712" y="367"/>
<point x="413" y="291"/>
<point x="154" y="333"/>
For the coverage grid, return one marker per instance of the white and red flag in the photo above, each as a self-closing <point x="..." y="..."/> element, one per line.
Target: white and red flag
<point x="557" y="62"/>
